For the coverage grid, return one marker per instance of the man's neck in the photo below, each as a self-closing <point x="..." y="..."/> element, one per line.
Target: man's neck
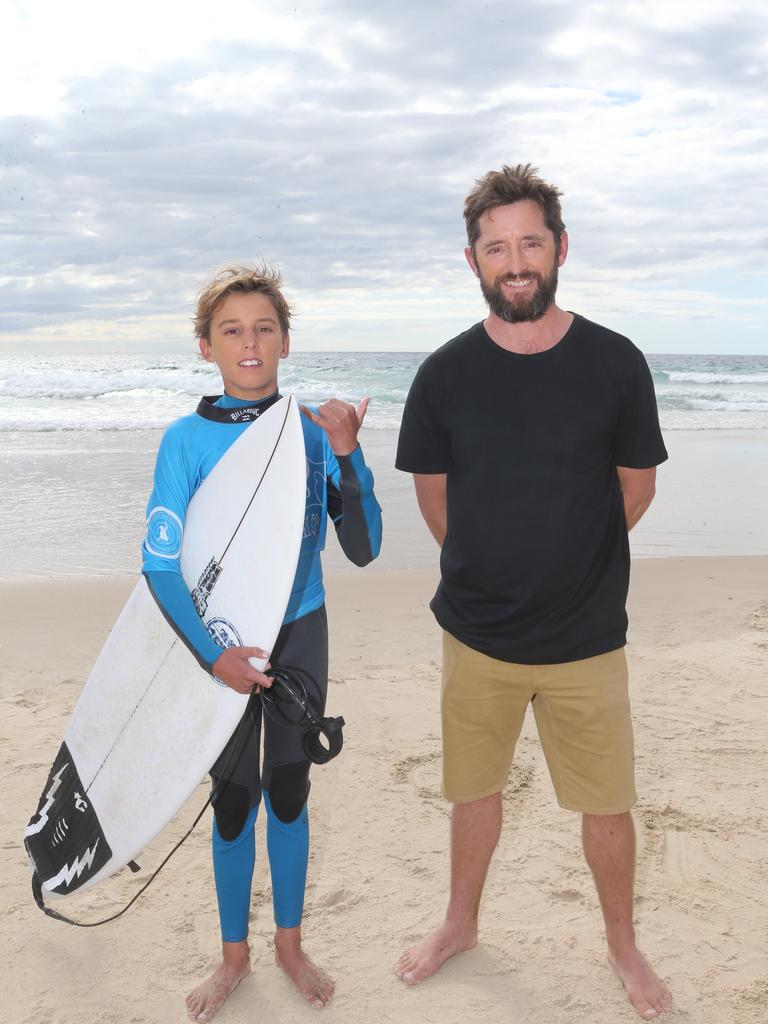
<point x="530" y="336"/>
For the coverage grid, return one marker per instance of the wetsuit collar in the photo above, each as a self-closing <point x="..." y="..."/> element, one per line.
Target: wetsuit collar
<point x="244" y="412"/>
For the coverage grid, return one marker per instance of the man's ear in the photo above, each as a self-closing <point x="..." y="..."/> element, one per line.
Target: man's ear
<point x="470" y="257"/>
<point x="563" y="249"/>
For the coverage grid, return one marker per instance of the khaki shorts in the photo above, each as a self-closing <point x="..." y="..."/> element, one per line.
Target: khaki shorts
<point x="582" y="714"/>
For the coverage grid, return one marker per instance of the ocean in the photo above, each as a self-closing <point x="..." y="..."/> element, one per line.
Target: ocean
<point x="78" y="434"/>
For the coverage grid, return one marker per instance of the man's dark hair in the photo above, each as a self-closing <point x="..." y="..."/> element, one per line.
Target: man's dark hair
<point x="510" y="185"/>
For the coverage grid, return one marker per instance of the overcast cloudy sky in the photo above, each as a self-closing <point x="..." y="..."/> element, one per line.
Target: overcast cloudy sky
<point x="145" y="144"/>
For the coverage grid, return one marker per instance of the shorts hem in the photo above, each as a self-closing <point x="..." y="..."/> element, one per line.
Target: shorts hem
<point x="471" y="799"/>
<point x="622" y="809"/>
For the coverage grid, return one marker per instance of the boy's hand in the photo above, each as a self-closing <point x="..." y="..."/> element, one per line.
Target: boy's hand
<point x="340" y="421"/>
<point x="233" y="668"/>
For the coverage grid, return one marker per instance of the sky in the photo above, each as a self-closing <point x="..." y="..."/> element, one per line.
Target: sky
<point x="145" y="145"/>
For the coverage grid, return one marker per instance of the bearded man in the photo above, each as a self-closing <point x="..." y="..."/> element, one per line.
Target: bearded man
<point x="533" y="439"/>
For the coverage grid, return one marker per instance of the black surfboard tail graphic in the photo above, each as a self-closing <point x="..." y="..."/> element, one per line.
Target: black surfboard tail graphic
<point x="64" y="838"/>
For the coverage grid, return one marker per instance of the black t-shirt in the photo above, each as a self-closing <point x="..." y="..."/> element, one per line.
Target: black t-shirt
<point x="535" y="564"/>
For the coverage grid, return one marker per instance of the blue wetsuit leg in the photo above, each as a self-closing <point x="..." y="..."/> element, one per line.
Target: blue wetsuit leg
<point x="288" y="851"/>
<point x="233" y="862"/>
<point x="303" y="645"/>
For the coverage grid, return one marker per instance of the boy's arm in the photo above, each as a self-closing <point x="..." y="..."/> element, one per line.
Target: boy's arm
<point x="353" y="508"/>
<point x="231" y="666"/>
<point x="175" y="602"/>
<point x="352" y="505"/>
<point x="166" y="517"/>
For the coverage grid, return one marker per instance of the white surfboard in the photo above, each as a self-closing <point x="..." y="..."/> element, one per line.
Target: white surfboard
<point x="150" y="721"/>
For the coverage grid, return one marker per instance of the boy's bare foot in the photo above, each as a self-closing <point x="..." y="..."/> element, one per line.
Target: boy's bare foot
<point x="428" y="956"/>
<point x="645" y="989"/>
<point x="204" y="1001"/>
<point x="311" y="981"/>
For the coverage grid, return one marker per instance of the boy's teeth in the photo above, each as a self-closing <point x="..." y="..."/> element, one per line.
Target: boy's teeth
<point x="249" y="362"/>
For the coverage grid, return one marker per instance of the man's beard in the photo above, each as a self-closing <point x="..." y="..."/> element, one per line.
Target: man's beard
<point x="520" y="310"/>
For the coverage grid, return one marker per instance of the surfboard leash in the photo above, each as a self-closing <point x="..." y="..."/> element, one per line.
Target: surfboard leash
<point x="37" y="888"/>
<point x="322" y="741"/>
<point x="323" y="737"/>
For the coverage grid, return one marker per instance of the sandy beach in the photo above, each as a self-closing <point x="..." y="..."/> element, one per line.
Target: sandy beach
<point x="698" y="655"/>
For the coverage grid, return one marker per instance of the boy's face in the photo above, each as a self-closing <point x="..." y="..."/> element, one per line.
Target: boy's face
<point x="246" y="344"/>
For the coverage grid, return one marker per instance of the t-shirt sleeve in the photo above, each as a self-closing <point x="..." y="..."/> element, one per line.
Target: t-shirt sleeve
<point x="423" y="445"/>
<point x="638" y="443"/>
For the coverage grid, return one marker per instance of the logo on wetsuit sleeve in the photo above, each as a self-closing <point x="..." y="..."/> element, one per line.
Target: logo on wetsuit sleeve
<point x="164" y="533"/>
<point x="315" y="485"/>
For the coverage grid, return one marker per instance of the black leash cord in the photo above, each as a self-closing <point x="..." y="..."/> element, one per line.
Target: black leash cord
<point x="37" y="889"/>
<point x="290" y="682"/>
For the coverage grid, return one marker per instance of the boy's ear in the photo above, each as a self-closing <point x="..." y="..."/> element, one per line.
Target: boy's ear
<point x="285" y="348"/>
<point x="205" y="349"/>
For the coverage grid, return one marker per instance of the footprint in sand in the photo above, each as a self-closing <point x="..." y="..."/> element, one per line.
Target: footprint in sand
<point x="337" y="899"/>
<point x="423" y="773"/>
<point x="759" y="619"/>
<point x="567" y="895"/>
<point x="695" y="851"/>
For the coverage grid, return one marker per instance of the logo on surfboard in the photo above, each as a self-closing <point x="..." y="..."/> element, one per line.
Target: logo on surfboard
<point x="224" y="633"/>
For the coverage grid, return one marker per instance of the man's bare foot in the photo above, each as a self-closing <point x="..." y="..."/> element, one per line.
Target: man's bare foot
<point x="645" y="989"/>
<point x="311" y="981"/>
<point x="428" y="956"/>
<point x="204" y="1001"/>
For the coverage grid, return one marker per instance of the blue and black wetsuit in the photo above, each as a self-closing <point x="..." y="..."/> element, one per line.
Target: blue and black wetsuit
<point x="339" y="487"/>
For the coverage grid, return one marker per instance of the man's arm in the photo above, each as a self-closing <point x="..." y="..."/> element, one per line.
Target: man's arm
<point x="638" y="486"/>
<point x="433" y="503"/>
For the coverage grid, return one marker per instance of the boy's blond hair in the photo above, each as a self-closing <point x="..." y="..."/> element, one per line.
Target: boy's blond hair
<point x="241" y="278"/>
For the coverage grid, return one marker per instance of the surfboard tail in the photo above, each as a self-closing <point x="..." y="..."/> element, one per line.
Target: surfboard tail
<point x="64" y="838"/>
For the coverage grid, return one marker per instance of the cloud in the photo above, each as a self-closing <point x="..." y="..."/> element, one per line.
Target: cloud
<point x="341" y="145"/>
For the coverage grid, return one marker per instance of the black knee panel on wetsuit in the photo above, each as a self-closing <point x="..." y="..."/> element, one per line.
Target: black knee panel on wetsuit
<point x="289" y="789"/>
<point x="231" y="809"/>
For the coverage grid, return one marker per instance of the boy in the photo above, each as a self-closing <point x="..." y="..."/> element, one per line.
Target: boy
<point x="242" y="322"/>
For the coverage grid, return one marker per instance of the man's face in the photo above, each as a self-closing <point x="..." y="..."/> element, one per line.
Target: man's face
<point x="516" y="261"/>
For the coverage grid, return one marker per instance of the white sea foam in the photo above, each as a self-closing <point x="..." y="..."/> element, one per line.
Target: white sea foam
<point x="78" y="435"/>
<point x="113" y="392"/>
<point x="717" y="378"/>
